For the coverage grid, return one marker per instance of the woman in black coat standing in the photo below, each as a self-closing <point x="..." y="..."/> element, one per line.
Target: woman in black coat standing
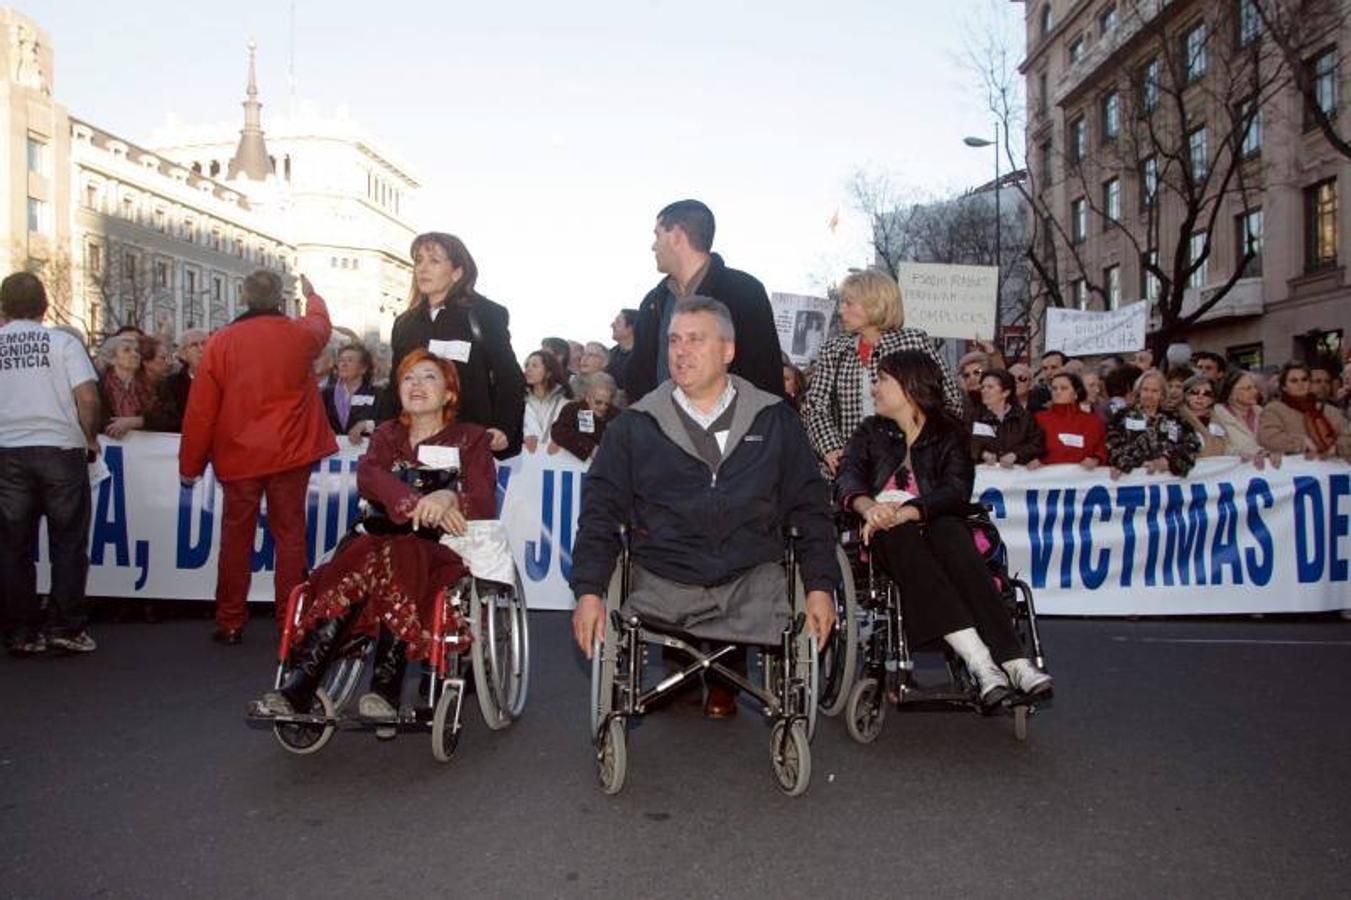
<point x="449" y="318"/>
<point x="907" y="473"/>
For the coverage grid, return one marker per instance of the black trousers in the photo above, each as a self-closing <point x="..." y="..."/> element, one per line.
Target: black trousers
<point x="945" y="586"/>
<point x="37" y="482"/>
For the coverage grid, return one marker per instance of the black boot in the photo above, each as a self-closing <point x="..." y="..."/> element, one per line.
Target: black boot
<point x="310" y="661"/>
<point x="388" y="667"/>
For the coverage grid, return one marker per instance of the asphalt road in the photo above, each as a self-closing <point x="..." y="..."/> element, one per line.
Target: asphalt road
<point x="1182" y="758"/>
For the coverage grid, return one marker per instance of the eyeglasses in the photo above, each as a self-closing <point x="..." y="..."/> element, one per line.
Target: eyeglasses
<point x="1023" y="378"/>
<point x="1200" y="393"/>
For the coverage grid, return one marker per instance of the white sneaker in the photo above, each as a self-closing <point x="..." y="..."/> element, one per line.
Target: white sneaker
<point x="1027" y="678"/>
<point x="990" y="680"/>
<point x="373" y="706"/>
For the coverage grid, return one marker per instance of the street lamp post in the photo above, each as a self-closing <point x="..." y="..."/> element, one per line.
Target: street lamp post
<point x="998" y="229"/>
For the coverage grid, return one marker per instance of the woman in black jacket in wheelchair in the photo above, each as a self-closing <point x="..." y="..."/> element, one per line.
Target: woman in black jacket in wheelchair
<point x="907" y="472"/>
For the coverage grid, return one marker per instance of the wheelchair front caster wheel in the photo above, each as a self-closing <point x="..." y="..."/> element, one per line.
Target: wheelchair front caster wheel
<point x="446" y="724"/>
<point x="304" y="739"/>
<point x="612" y="756"/>
<point x="865" y="711"/>
<point x="1020" y="722"/>
<point x="791" y="756"/>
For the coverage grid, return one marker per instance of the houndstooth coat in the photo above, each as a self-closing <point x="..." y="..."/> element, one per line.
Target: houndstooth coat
<point x="834" y="408"/>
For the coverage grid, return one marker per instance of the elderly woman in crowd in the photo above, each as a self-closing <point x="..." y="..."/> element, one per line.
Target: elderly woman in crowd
<point x="448" y="316"/>
<point x="1022" y="384"/>
<point x="125" y="387"/>
<point x="594" y="358"/>
<point x="171" y="395"/>
<point x="156" y="360"/>
<point x="970" y="369"/>
<point x="1002" y="432"/>
<point x="840" y="394"/>
<point x="1298" y="422"/>
<point x="1197" y="410"/>
<point x="385" y="581"/>
<point x="581" y="424"/>
<point x="908" y="474"/>
<point x="546" y="393"/>
<point x="350" y="396"/>
<point x="1071" y="435"/>
<point x="1239" y="411"/>
<point x="1149" y="435"/>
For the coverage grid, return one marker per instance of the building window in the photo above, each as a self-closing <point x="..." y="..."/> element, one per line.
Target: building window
<point x="1320" y="225"/>
<point x="356" y="263"/>
<point x="1078" y="220"/>
<point x="1149" y="85"/>
<point x="1047" y="20"/>
<point x="1107" y="21"/>
<point x="1198" y="153"/>
<point x="1149" y="282"/>
<point x="1043" y="93"/>
<point x="1149" y="182"/>
<point x="1248" y="22"/>
<point x="1322" y="72"/>
<point x="1194" y="53"/>
<point x="161" y="274"/>
<point x="1251" y="143"/>
<point x="93" y="260"/>
<point x="1079" y="293"/>
<point x="1078" y="140"/>
<point x="217" y="286"/>
<point x="39" y="216"/>
<point x="332" y="262"/>
<point x="1111" y="200"/>
<point x="1111" y="116"/>
<point x="1196" y="246"/>
<point x="1111" y="286"/>
<point x="1248" y="237"/>
<point x="1044" y="157"/>
<point x="159" y="220"/>
<point x="1076" y="49"/>
<point x="38" y="163"/>
<point x="91" y="196"/>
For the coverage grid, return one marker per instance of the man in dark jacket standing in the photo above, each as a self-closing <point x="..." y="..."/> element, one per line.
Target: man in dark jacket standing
<point x="707" y="471"/>
<point x="254" y="411"/>
<point x="683" y="250"/>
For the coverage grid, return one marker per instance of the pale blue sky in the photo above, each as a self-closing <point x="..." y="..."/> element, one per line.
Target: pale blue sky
<point x="549" y="134"/>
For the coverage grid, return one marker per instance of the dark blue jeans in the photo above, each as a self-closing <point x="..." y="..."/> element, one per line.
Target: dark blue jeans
<point x="37" y="482"/>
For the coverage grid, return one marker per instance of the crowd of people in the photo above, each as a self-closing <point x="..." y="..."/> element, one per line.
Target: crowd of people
<point x="267" y="395"/>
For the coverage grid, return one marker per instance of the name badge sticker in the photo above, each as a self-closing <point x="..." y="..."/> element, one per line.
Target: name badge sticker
<point x="982" y="429"/>
<point x="1072" y="440"/>
<point x="1217" y="429"/>
<point x="586" y="421"/>
<point x="435" y="457"/>
<point x="363" y="400"/>
<point x="1136" y="424"/>
<point x="455" y="351"/>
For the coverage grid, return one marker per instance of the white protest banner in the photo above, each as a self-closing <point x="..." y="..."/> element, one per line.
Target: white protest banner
<point x="801" y="322"/>
<point x="950" y="301"/>
<point x="1081" y="332"/>
<point x="1226" y="539"/>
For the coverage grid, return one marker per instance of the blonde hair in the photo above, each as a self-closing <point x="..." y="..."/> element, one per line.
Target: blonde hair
<point x="879" y="295"/>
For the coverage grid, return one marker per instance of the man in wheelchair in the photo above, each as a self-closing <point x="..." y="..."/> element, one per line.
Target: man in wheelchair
<point x="707" y="473"/>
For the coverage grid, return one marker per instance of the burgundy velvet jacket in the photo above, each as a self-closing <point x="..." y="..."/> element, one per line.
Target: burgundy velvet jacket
<point x="389" y="449"/>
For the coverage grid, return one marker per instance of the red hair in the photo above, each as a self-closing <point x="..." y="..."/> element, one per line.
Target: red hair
<point x="448" y="372"/>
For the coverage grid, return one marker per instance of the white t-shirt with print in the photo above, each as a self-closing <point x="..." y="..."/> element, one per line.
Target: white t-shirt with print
<point x="39" y="367"/>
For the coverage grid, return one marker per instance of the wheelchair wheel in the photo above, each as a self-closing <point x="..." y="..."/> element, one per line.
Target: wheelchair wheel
<point x="865" y="711"/>
<point x="303" y="739"/>
<point x="495" y="630"/>
<point x="791" y="756"/>
<point x="839" y="659"/>
<point x="517" y="664"/>
<point x="612" y="756"/>
<point x="1020" y="722"/>
<point x="445" y="724"/>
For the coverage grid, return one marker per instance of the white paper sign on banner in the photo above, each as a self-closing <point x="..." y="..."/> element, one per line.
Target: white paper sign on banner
<point x="950" y="301"/>
<point x="1081" y="332"/>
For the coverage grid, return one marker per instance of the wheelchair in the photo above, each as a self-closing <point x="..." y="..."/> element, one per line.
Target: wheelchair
<point x="885" y="670"/>
<point x="479" y="628"/>
<point x="787" y="689"/>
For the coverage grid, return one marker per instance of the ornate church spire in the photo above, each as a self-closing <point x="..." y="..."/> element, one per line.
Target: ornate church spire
<point x="251" y="159"/>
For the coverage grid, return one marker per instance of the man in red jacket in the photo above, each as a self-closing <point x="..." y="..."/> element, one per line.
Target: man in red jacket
<point x="255" y="412"/>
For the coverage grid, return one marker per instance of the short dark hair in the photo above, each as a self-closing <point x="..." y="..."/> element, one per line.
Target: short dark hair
<point x="22" y="296"/>
<point x="1080" y="392"/>
<point x="694" y="218"/>
<point x="1290" y="367"/>
<point x="1179" y="373"/>
<point x="1063" y="358"/>
<point x="262" y="290"/>
<point x="922" y="380"/>
<point x="361" y="350"/>
<point x="630" y="316"/>
<point x="1323" y="365"/>
<point x="559" y="347"/>
<point x="1121" y="380"/>
<point x="1213" y="357"/>
<point x="1003" y="377"/>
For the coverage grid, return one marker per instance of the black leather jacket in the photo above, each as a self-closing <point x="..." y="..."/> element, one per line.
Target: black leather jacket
<point x="940" y="459"/>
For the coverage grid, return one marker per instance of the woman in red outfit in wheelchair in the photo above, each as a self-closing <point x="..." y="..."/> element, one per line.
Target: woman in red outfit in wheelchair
<point x="386" y="580"/>
<point x="908" y="474"/>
